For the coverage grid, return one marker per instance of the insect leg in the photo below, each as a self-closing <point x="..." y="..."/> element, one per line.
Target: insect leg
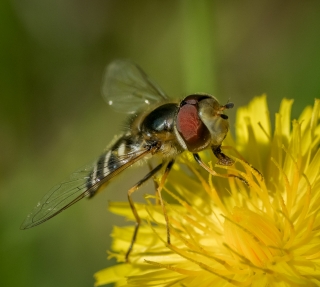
<point x="223" y="159"/>
<point x="243" y="159"/>
<point x="134" y="210"/>
<point x="208" y="169"/>
<point x="154" y="182"/>
<point x="162" y="182"/>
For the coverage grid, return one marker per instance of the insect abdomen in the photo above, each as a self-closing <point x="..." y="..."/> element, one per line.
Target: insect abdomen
<point x="110" y="163"/>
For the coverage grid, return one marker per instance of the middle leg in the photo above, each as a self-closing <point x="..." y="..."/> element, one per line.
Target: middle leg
<point x="133" y="208"/>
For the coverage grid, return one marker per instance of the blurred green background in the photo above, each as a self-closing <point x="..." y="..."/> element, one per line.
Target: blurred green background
<point x="53" y="119"/>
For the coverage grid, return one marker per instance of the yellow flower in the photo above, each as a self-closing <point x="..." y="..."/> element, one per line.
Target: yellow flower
<point x="228" y="233"/>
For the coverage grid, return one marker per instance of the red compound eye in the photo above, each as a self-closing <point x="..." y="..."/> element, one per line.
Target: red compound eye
<point x="188" y="123"/>
<point x="191" y="128"/>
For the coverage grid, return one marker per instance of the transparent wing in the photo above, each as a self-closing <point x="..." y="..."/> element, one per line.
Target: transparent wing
<point x="127" y="88"/>
<point x="82" y="183"/>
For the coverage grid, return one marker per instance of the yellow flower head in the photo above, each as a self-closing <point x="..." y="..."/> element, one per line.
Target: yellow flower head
<point x="262" y="231"/>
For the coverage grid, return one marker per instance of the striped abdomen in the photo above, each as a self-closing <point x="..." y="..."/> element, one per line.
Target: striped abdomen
<point x="120" y="155"/>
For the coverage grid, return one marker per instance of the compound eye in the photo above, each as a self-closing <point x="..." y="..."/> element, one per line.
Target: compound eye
<point x="189" y="123"/>
<point x="191" y="128"/>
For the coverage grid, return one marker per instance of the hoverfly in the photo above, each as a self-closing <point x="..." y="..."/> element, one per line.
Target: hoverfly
<point x="156" y="127"/>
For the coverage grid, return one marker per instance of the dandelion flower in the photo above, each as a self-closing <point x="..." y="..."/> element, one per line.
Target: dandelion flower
<point x="225" y="232"/>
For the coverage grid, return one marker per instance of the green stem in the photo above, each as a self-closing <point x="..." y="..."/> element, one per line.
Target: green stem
<point x="198" y="46"/>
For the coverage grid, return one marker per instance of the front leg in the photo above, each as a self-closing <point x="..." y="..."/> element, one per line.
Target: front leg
<point x="222" y="158"/>
<point x="208" y="169"/>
